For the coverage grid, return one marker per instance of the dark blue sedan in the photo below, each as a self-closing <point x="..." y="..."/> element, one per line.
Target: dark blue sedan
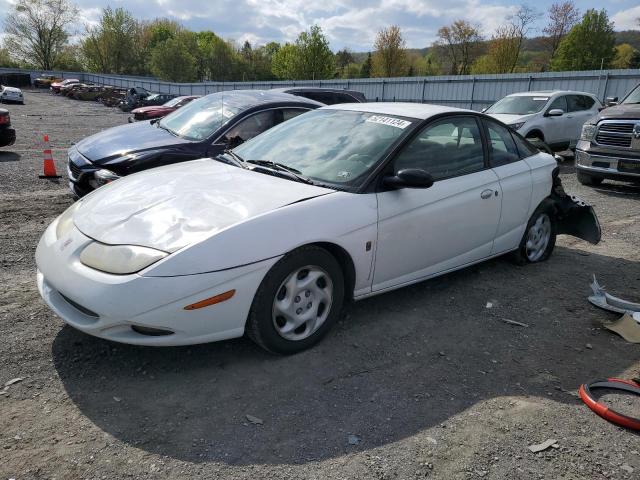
<point x="204" y="128"/>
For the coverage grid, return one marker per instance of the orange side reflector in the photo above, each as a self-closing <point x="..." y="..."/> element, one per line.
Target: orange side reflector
<point x="211" y="300"/>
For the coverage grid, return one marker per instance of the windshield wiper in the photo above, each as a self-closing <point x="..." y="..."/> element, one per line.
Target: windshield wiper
<point x="167" y="129"/>
<point x="236" y="159"/>
<point x="293" y="173"/>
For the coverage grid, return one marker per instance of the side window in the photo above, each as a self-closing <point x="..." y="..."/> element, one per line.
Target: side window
<point x="560" y="102"/>
<point x="249" y="127"/>
<point x="284" y="114"/>
<point x="588" y="102"/>
<point x="447" y="148"/>
<point x="576" y="103"/>
<point x="502" y="148"/>
<point x="525" y="149"/>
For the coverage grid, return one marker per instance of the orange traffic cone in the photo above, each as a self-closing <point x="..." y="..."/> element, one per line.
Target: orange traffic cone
<point x="49" y="165"/>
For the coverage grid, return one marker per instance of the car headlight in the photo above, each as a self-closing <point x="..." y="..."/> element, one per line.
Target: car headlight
<point x="588" y="132"/>
<point x="517" y="126"/>
<point x="102" y="177"/>
<point x="119" y="259"/>
<point x="65" y="221"/>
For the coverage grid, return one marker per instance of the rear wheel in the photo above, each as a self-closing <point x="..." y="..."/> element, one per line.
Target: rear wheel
<point x="297" y="302"/>
<point x="539" y="237"/>
<point x="590" y="180"/>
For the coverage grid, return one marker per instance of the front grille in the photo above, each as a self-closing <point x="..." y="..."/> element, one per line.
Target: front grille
<point x="613" y="140"/>
<point x="79" y="307"/>
<point x="617" y="127"/>
<point x="615" y="134"/>
<point x="75" y="170"/>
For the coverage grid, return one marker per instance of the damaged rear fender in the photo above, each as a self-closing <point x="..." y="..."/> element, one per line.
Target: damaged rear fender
<point x="573" y="216"/>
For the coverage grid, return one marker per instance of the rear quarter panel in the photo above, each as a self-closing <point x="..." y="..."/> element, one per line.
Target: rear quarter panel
<point x="542" y="166"/>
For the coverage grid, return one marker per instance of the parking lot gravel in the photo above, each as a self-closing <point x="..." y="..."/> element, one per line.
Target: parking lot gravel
<point x="429" y="381"/>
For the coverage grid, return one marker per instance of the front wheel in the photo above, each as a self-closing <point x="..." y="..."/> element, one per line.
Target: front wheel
<point x="539" y="238"/>
<point x="297" y="302"/>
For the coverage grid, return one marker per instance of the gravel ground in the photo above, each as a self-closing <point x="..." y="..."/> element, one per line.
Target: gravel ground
<point x="422" y="382"/>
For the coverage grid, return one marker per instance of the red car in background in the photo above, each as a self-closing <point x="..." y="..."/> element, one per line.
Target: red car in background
<point x="56" y="86"/>
<point x="158" y="111"/>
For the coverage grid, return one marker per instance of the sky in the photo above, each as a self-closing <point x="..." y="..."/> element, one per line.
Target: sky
<point x="351" y="24"/>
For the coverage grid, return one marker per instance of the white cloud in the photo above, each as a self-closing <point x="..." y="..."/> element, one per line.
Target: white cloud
<point x="627" y="19"/>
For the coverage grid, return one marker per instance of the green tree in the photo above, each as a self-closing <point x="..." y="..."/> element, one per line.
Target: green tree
<point x="113" y="45"/>
<point x="625" y="56"/>
<point x="69" y="59"/>
<point x="314" y="59"/>
<point x="343" y="59"/>
<point x="367" y="66"/>
<point x="37" y="30"/>
<point x="172" y="59"/>
<point x="389" y="59"/>
<point x="309" y="58"/>
<point x="588" y="46"/>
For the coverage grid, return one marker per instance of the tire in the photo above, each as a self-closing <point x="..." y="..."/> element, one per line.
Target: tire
<point x="542" y="222"/>
<point x="589" y="180"/>
<point x="272" y="325"/>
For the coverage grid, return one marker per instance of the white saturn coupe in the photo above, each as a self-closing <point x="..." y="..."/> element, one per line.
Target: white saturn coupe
<point x="271" y="238"/>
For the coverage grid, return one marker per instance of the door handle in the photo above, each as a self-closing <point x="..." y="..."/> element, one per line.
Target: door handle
<point x="488" y="193"/>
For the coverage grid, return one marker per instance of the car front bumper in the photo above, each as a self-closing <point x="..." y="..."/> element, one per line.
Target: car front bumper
<point x="12" y="97"/>
<point x="138" y="308"/>
<point x="7" y="136"/>
<point x="608" y="166"/>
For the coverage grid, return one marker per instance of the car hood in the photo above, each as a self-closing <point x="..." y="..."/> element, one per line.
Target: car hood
<point x="170" y="207"/>
<point x="125" y="139"/>
<point x="628" y="111"/>
<point x="510" y="119"/>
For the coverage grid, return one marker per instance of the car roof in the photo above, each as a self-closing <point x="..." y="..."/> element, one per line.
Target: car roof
<point x="413" y="110"/>
<point x="549" y="93"/>
<point x="260" y="97"/>
<point x="314" y="89"/>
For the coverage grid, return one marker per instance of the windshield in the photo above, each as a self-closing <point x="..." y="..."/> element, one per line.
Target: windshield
<point x="173" y="102"/>
<point x="332" y="146"/>
<point x="199" y="119"/>
<point x="634" y="96"/>
<point x="519" y="105"/>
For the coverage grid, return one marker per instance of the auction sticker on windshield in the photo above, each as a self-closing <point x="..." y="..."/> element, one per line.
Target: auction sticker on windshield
<point x="392" y="122"/>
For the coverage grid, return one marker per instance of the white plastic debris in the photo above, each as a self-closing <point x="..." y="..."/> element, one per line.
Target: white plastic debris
<point x="602" y="299"/>
<point x="544" y="445"/>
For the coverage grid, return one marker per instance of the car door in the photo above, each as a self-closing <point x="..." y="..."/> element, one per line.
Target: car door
<point x="555" y="128"/>
<point x="514" y="176"/>
<point x="422" y="232"/>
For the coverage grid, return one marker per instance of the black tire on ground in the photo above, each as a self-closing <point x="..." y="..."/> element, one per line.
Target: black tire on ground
<point x="260" y="324"/>
<point x="520" y="256"/>
<point x="590" y="180"/>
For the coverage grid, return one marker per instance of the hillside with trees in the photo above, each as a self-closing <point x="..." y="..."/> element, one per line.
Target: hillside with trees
<point x="38" y="35"/>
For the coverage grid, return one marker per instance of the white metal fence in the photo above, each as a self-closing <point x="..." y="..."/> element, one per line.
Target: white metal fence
<point x="467" y="91"/>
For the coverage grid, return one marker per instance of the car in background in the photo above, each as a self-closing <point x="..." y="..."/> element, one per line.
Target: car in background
<point x="205" y="127"/>
<point x="57" y="86"/>
<point x="554" y="118"/>
<point x="11" y="95"/>
<point x="133" y="98"/>
<point x="7" y="133"/>
<point x="328" y="96"/>
<point x="159" y="111"/>
<point x="67" y="90"/>
<point x="609" y="146"/>
<point x="156" y="99"/>
<point x="45" y="81"/>
<point x="270" y="238"/>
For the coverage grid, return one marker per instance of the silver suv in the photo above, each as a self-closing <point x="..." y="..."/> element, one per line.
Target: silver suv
<point x="552" y="117"/>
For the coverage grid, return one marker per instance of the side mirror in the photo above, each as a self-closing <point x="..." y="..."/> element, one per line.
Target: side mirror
<point x="555" y="112"/>
<point x="409" y="178"/>
<point x="611" y="101"/>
